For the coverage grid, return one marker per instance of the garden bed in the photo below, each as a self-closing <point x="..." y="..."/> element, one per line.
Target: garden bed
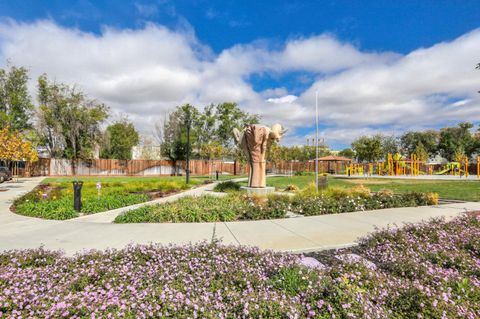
<point x="239" y="206"/>
<point x="423" y="271"/>
<point x="53" y="199"/>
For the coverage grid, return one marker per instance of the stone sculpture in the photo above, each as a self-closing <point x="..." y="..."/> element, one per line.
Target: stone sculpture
<point x="254" y="141"/>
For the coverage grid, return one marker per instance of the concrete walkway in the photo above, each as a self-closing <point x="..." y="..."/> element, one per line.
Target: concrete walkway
<point x="291" y="234"/>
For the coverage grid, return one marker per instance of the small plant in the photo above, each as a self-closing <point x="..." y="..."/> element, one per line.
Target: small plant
<point x="227" y="186"/>
<point x="291" y="188"/>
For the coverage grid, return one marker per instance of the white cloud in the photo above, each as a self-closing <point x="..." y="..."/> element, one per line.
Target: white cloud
<point x="146" y="72"/>
<point x="288" y="99"/>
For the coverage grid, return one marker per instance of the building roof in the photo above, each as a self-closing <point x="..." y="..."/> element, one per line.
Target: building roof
<point x="334" y="158"/>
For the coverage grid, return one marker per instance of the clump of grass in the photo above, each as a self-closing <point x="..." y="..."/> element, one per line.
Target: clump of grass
<point x="227" y="186"/>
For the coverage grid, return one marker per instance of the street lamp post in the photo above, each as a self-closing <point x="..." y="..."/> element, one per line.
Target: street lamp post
<point x="187" y="171"/>
<point x="316" y="140"/>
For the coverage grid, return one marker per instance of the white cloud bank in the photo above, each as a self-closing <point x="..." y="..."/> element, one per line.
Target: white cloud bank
<point x="146" y="72"/>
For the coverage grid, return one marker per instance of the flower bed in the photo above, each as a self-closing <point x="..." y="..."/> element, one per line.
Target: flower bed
<point x="239" y="206"/>
<point x="426" y="271"/>
<point x="54" y="200"/>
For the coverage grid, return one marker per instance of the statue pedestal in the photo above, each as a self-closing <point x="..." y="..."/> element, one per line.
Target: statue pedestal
<point x="258" y="190"/>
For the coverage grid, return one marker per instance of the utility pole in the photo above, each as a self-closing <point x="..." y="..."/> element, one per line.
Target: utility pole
<point x="316" y="140"/>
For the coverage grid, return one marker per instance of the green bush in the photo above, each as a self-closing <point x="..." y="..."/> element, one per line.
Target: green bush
<point x="227" y="186"/>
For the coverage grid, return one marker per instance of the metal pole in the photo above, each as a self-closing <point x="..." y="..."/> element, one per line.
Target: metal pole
<point x="316" y="140"/>
<point x="188" y="147"/>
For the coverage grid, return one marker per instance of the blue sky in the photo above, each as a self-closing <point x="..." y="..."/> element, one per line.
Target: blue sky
<point x="253" y="51"/>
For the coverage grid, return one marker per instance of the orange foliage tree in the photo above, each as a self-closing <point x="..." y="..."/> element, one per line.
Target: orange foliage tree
<point x="14" y="148"/>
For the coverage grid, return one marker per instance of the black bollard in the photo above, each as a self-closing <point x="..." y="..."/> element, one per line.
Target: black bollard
<point x="216" y="175"/>
<point x="77" y="195"/>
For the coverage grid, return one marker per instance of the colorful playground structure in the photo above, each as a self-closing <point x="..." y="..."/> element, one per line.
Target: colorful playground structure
<point x="398" y="165"/>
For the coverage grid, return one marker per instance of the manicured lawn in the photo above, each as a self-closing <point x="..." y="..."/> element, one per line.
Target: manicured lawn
<point x="421" y="271"/>
<point x="461" y="190"/>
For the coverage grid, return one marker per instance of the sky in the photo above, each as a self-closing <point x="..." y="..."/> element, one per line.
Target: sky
<point x="376" y="66"/>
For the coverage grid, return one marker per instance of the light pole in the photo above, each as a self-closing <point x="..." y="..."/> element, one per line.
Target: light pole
<point x="316" y="140"/>
<point x="187" y="172"/>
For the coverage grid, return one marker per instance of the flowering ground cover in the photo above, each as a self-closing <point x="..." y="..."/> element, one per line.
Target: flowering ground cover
<point x="53" y="199"/>
<point x="422" y="271"/>
<point x="240" y="206"/>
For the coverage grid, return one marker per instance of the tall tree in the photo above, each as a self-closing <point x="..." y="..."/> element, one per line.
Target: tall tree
<point x="16" y="107"/>
<point x="421" y="152"/>
<point x="428" y="138"/>
<point x="120" y="138"/>
<point x="369" y="148"/>
<point x="174" y="136"/>
<point x="230" y="116"/>
<point x="390" y="145"/>
<point x="68" y="121"/>
<point x="452" y="139"/>
<point x="347" y="152"/>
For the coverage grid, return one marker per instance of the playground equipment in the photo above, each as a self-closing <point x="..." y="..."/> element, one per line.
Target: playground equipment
<point x="397" y="165"/>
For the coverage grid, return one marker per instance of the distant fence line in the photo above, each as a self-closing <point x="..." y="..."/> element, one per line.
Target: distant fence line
<point x="111" y="167"/>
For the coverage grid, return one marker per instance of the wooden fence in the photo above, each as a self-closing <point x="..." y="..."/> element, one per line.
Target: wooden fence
<point x="109" y="167"/>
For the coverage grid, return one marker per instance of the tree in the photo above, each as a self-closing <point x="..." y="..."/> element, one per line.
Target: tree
<point x="454" y="138"/>
<point x="368" y="148"/>
<point x="421" y="152"/>
<point x="68" y="121"/>
<point x="212" y="150"/>
<point x="390" y="145"/>
<point x="149" y="149"/>
<point x="174" y="136"/>
<point x="347" y="152"/>
<point x="230" y="116"/>
<point x="14" y="147"/>
<point x="428" y="138"/>
<point x="119" y="140"/>
<point x="16" y="106"/>
<point x="214" y="124"/>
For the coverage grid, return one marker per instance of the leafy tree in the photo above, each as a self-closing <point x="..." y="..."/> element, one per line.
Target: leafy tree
<point x="16" y="106"/>
<point x="68" y="121"/>
<point x="213" y="125"/>
<point x="369" y="148"/>
<point x="428" y="138"/>
<point x="347" y="152"/>
<point x="454" y="138"/>
<point x="230" y="116"/>
<point x="174" y="137"/>
<point x="459" y="155"/>
<point x="119" y="140"/>
<point x="14" y="147"/>
<point x="390" y="145"/>
<point x="212" y="150"/>
<point x="421" y="152"/>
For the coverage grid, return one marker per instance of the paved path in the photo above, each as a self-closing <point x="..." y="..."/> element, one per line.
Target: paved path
<point x="292" y="234"/>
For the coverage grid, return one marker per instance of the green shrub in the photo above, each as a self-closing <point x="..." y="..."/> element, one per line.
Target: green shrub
<point x="227" y="186"/>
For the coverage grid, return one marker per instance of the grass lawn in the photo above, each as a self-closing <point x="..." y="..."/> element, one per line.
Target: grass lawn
<point x="461" y="190"/>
